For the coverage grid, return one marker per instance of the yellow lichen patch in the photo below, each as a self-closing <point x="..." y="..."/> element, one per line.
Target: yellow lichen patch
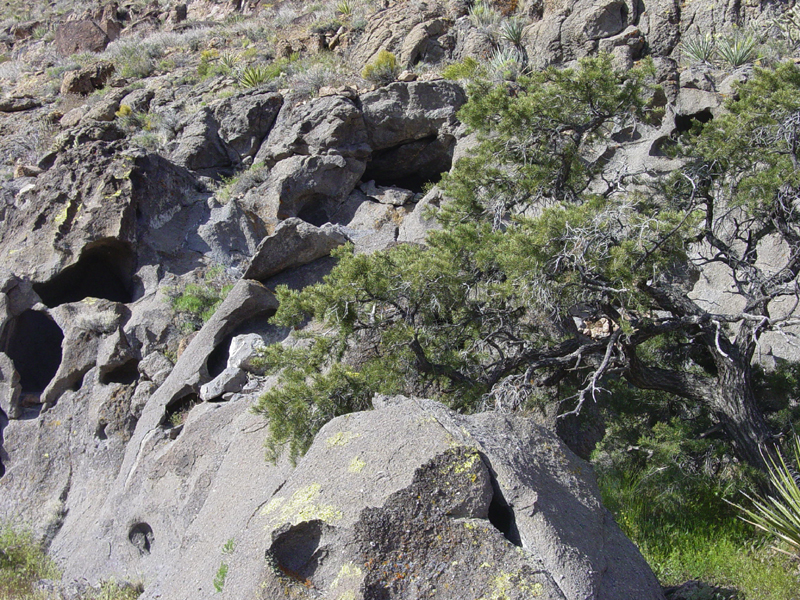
<point x="468" y="463"/>
<point x="62" y="216"/>
<point x="356" y="465"/>
<point x="348" y="571"/>
<point x="342" y="438"/>
<point x="506" y="583"/>
<point x="302" y="507"/>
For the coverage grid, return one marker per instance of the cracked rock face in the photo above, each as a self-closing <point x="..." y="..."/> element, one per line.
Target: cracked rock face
<point x="412" y="501"/>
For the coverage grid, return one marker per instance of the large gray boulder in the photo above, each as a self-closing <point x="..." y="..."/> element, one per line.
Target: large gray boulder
<point x="245" y="120"/>
<point x="293" y="244"/>
<point x="309" y="187"/>
<point x="331" y="124"/>
<point x="413" y="31"/>
<point x="407" y="112"/>
<point x="412" y="500"/>
<point x="200" y="147"/>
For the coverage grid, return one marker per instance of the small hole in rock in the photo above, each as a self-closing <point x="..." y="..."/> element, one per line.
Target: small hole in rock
<point x="124" y="374"/>
<point x="103" y="271"/>
<point x="683" y="123"/>
<point x="412" y="165"/>
<point x="501" y="515"/>
<point x="177" y="411"/>
<point x="100" y="432"/>
<point x="296" y="549"/>
<point x="34" y="345"/>
<point x="141" y="536"/>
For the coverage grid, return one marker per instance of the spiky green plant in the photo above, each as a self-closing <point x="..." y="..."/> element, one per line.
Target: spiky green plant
<point x="344" y="8"/>
<point x="698" y="48"/>
<point x="483" y="15"/>
<point x="738" y="49"/>
<point x="254" y="76"/>
<point x="778" y="514"/>
<point x="506" y="63"/>
<point x="230" y="60"/>
<point x="511" y="30"/>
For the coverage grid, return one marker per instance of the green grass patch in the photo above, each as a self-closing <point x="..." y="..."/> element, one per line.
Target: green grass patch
<point x="688" y="532"/>
<point x="22" y="563"/>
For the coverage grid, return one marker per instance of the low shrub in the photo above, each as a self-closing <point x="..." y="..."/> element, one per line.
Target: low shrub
<point x="22" y="563"/>
<point x="384" y="69"/>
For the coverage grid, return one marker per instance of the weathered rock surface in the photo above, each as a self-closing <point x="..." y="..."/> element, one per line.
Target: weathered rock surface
<point x="246" y="119"/>
<point x="411" y="500"/>
<point x="80" y="36"/>
<point x="85" y="81"/>
<point x="293" y="244"/>
<point x="327" y="125"/>
<point x="411" y="30"/>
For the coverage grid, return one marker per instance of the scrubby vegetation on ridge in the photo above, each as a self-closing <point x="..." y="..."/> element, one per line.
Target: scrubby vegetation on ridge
<point x="23" y="563"/>
<point x="549" y="283"/>
<point x="484" y="316"/>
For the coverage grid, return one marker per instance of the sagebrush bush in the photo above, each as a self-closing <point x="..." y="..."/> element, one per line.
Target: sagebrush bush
<point x="22" y="563"/>
<point x="384" y="69"/>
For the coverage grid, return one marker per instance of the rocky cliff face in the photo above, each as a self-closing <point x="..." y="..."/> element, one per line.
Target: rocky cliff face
<point x="127" y="442"/>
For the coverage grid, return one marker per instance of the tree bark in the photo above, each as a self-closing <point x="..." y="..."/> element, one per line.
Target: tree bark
<point x="734" y="405"/>
<point x="729" y="396"/>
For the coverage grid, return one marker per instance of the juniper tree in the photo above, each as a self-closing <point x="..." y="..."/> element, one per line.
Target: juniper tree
<point x="482" y="315"/>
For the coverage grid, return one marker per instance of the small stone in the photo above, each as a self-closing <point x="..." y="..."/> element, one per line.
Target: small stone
<point x="407" y="76"/>
<point x="26" y="171"/>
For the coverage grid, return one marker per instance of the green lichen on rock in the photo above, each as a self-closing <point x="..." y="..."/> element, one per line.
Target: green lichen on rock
<point x="302" y="507"/>
<point x="349" y="570"/>
<point x="341" y="438"/>
<point x="356" y="465"/>
<point x="506" y="586"/>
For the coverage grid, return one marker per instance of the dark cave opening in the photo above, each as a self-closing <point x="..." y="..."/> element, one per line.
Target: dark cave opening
<point x="125" y="374"/>
<point x="34" y="346"/>
<point x="314" y="213"/>
<point x="141" y="536"/>
<point x="412" y="165"/>
<point x="103" y="271"/>
<point x="176" y="411"/>
<point x="218" y="359"/>
<point x="501" y="515"/>
<point x="683" y="123"/>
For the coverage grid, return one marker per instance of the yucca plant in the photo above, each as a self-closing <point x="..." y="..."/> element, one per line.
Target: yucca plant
<point x="253" y="76"/>
<point x="738" y="49"/>
<point x="506" y="63"/>
<point x="778" y="514"/>
<point x="511" y="31"/>
<point x="230" y="60"/>
<point x="483" y="15"/>
<point x="698" y="49"/>
<point x="344" y="8"/>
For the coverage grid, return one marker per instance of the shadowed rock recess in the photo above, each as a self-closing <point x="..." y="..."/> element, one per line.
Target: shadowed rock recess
<point x="152" y="199"/>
